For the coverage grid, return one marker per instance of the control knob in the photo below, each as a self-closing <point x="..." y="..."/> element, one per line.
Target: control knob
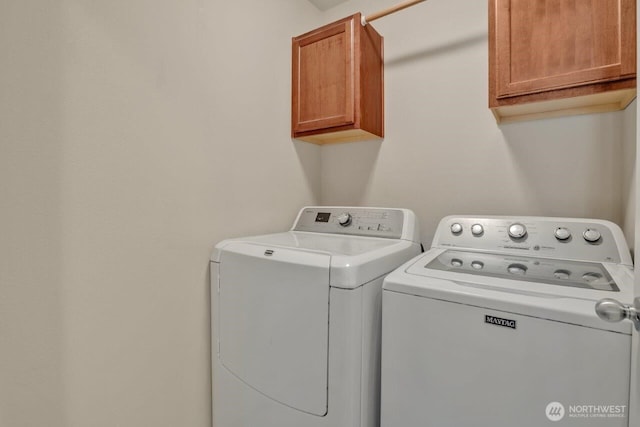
<point x="344" y="219"/>
<point x="517" y="231"/>
<point x="517" y="269"/>
<point x="590" y="277"/>
<point x="456" y="228"/>
<point x="591" y="235"/>
<point x="562" y="233"/>
<point x="477" y="229"/>
<point x="478" y="265"/>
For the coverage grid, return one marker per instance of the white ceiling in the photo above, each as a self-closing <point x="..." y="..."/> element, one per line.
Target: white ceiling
<point x="326" y="4"/>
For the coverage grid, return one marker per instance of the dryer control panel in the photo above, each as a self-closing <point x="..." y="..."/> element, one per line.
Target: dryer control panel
<point x="371" y="222"/>
<point x="559" y="238"/>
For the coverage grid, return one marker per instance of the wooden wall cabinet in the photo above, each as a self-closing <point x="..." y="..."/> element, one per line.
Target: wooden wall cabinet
<point x="552" y="58"/>
<point x="337" y="83"/>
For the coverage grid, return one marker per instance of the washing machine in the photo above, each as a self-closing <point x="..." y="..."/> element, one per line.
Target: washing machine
<point x="495" y="326"/>
<point x="296" y="318"/>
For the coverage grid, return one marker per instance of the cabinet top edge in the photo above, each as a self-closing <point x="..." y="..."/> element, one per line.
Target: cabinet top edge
<point x="355" y="17"/>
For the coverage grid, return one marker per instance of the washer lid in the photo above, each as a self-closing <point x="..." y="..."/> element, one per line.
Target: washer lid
<point x="354" y="260"/>
<point x="336" y="245"/>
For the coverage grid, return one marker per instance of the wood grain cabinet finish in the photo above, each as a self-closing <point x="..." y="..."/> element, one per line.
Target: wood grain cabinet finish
<point x="558" y="57"/>
<point x="337" y="83"/>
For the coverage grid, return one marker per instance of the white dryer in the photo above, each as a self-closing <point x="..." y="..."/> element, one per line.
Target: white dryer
<point x="296" y="318"/>
<point x="495" y="326"/>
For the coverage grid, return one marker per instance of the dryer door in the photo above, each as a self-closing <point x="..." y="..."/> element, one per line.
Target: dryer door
<point x="274" y="322"/>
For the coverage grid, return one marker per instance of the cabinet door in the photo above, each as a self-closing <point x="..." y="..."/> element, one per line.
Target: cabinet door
<point x="323" y="78"/>
<point x="552" y="44"/>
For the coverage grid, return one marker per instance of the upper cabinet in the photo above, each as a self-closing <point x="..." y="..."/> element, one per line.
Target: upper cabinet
<point x="552" y="58"/>
<point x="337" y="83"/>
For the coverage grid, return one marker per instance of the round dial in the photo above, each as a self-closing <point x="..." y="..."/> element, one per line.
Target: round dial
<point x="517" y="269"/>
<point x="591" y="277"/>
<point x="477" y="229"/>
<point x="344" y="219"/>
<point x="517" y="230"/>
<point x="478" y="265"/>
<point x="591" y="235"/>
<point x="456" y="262"/>
<point x="562" y="233"/>
<point x="456" y="228"/>
<point x="562" y="274"/>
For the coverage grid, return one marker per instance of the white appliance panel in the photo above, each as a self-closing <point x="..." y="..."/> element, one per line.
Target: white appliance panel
<point x="586" y="275"/>
<point x="373" y="222"/>
<point x="456" y="370"/>
<point x="540" y="237"/>
<point x="274" y="322"/>
<point x="336" y="244"/>
<point x="236" y="404"/>
<point x="355" y="260"/>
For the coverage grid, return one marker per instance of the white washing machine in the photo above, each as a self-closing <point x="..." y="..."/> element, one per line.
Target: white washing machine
<point x="296" y="318"/>
<point x="495" y="326"/>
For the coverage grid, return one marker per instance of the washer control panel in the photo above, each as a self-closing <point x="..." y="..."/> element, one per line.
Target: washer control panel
<point x="373" y="222"/>
<point x="560" y="238"/>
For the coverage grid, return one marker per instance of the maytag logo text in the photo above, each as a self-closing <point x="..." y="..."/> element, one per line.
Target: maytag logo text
<point x="498" y="321"/>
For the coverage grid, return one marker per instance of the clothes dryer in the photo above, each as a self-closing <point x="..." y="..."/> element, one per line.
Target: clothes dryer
<point x="495" y="326"/>
<point x="296" y="318"/>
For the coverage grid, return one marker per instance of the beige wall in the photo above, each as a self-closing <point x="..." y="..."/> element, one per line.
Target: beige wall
<point x="443" y="152"/>
<point x="133" y="136"/>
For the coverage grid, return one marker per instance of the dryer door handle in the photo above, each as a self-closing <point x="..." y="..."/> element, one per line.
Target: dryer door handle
<point x="612" y="310"/>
